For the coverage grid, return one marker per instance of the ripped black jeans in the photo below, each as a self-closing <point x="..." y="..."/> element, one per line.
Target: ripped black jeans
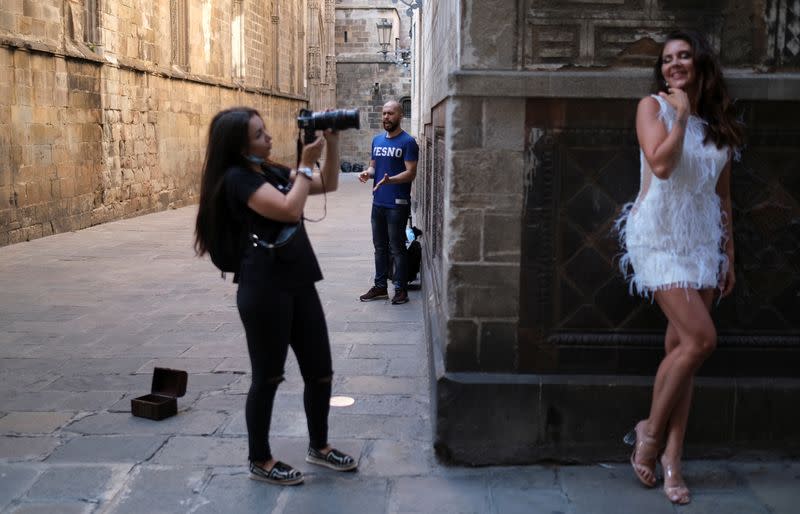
<point x="274" y="320"/>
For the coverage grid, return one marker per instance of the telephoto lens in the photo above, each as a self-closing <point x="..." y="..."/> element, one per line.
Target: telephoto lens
<point x="340" y="119"/>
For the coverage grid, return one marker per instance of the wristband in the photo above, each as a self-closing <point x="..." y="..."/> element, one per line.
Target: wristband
<point x="306" y="172"/>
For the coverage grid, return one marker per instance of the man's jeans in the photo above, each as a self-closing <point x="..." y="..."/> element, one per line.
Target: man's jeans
<point x="389" y="234"/>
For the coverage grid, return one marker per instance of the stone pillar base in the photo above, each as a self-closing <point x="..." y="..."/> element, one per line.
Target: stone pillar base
<point x="488" y="419"/>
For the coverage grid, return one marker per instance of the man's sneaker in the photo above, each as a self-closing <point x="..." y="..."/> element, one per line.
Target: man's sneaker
<point x="280" y="474"/>
<point x="334" y="459"/>
<point x="400" y="296"/>
<point x="375" y="293"/>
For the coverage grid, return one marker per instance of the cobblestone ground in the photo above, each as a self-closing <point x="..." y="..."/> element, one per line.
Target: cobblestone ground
<point x="86" y="316"/>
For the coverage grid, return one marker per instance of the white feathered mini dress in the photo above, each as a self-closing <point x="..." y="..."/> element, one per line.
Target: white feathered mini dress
<point x="673" y="234"/>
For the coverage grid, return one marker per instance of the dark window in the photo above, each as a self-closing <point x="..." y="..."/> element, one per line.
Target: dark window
<point x="406" y="103"/>
<point x="179" y="20"/>
<point x="91" y="29"/>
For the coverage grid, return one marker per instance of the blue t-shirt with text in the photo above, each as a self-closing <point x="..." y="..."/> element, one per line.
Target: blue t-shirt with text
<point x="390" y="154"/>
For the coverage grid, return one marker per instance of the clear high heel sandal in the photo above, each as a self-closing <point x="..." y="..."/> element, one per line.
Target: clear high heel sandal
<point x="642" y="443"/>
<point x="677" y="493"/>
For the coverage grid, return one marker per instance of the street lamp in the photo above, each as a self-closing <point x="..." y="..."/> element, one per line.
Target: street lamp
<point x="411" y="4"/>
<point x="384" y="35"/>
<point x="402" y="56"/>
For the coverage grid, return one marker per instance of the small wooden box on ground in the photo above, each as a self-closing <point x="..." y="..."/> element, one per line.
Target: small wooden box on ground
<point x="162" y="402"/>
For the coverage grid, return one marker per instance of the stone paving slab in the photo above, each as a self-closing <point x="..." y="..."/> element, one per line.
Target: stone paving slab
<point x="441" y="494"/>
<point x="27" y="448"/>
<point x="160" y="489"/>
<point x="15" y="480"/>
<point x="78" y="483"/>
<point x="387" y="458"/>
<point x="205" y="451"/>
<point x="191" y="422"/>
<point x="336" y="494"/>
<point x="108" y="449"/>
<point x="774" y="485"/>
<point x="62" y="507"/>
<point x="21" y="422"/>
<point x="379" y="385"/>
<point x="85" y="316"/>
<point x="223" y="491"/>
<point x="59" y="400"/>
<point x="608" y="490"/>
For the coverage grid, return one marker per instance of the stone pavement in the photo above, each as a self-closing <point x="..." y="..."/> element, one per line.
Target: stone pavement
<point x="85" y="316"/>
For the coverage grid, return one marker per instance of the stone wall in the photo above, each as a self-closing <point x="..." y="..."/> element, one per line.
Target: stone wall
<point x="355" y="91"/>
<point x="438" y="55"/>
<point x="626" y="32"/>
<point x="105" y="112"/>
<point x="321" y="55"/>
<point x="482" y="227"/>
<point x="365" y="80"/>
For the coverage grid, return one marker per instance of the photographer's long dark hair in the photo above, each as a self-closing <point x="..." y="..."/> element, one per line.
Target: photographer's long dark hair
<point x="714" y="104"/>
<point x="228" y="138"/>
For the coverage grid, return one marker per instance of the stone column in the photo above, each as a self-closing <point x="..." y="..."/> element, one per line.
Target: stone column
<point x="484" y="197"/>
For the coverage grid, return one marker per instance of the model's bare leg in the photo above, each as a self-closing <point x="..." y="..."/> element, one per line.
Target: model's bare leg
<point x="674" y="485"/>
<point x="676" y="426"/>
<point x="688" y="317"/>
<point x="671" y="341"/>
<point x="645" y="454"/>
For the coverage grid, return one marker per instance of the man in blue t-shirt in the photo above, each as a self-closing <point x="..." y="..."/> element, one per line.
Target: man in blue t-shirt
<point x="392" y="167"/>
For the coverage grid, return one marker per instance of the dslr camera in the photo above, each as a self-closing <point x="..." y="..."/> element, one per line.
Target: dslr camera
<point x="340" y="119"/>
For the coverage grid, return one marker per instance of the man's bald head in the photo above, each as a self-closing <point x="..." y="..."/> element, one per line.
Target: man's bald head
<point x="391" y="115"/>
<point x="393" y="105"/>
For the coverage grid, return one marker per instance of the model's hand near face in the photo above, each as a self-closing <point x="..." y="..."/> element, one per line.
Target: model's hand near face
<point x="679" y="100"/>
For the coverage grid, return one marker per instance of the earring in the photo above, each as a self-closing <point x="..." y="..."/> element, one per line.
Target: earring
<point x="666" y="84"/>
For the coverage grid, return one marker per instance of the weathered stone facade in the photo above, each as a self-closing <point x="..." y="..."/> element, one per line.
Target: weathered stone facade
<point x="106" y="104"/>
<point x="528" y="153"/>
<point x="321" y="55"/>
<point x="364" y="79"/>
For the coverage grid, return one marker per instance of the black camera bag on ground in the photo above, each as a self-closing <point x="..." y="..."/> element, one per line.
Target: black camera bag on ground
<point x="413" y="255"/>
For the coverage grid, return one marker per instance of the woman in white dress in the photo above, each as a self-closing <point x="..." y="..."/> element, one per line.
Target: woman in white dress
<point x="678" y="237"/>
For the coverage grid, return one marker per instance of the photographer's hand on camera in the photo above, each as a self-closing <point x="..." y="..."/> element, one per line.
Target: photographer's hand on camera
<point x="288" y="208"/>
<point x="330" y="166"/>
<point x="312" y="152"/>
<point x="326" y="179"/>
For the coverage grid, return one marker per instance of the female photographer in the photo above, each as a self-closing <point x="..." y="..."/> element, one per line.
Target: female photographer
<point x="276" y="297"/>
<point x="678" y="236"/>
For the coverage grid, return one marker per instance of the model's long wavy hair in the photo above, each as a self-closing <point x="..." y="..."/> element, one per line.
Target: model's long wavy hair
<point x="228" y="139"/>
<point x="714" y="105"/>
